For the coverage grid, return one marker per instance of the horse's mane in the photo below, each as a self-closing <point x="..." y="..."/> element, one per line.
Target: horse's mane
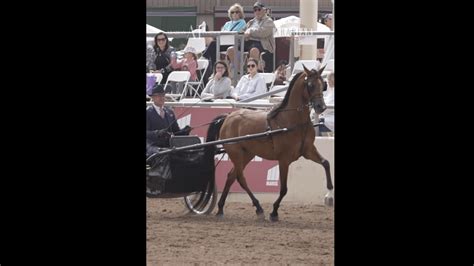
<point x="283" y="103"/>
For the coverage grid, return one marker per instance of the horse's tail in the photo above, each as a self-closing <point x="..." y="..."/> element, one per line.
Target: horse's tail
<point x="215" y="127"/>
<point x="213" y="134"/>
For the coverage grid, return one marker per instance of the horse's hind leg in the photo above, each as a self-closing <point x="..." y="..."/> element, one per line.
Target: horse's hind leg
<point x="314" y="155"/>
<point x="230" y="180"/>
<point x="243" y="184"/>
<point x="283" y="189"/>
<point x="239" y="169"/>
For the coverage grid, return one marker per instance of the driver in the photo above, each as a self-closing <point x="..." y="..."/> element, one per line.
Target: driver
<point x="161" y="122"/>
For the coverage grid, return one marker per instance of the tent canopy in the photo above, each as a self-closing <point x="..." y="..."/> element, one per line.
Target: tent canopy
<point x="151" y="29"/>
<point x="286" y="25"/>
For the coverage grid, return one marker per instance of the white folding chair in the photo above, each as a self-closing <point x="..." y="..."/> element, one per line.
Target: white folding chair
<point x="281" y="93"/>
<point x="178" y="76"/>
<point x="203" y="64"/>
<point x="269" y="79"/>
<point x="309" y="64"/>
<point x="197" y="43"/>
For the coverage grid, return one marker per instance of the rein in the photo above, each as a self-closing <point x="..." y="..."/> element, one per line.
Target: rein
<point x="299" y="108"/>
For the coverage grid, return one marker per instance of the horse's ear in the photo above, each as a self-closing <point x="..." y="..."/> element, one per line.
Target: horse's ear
<point x="322" y="69"/>
<point x="306" y="70"/>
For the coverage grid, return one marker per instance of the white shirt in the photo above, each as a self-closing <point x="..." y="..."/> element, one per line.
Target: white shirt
<point x="158" y="109"/>
<point x="249" y="87"/>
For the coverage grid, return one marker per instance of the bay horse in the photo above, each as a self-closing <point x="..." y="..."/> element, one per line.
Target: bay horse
<point x="305" y="89"/>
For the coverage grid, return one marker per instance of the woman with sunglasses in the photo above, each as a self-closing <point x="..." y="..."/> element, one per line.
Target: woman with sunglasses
<point x="236" y="23"/>
<point x="163" y="52"/>
<point x="251" y="84"/>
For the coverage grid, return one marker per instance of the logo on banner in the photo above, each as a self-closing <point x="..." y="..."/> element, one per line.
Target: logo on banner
<point x="273" y="175"/>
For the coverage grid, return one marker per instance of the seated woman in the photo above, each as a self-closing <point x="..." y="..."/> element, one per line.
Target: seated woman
<point x="218" y="86"/>
<point x="161" y="56"/>
<point x="251" y="84"/>
<point x="236" y="23"/>
<point x="188" y="63"/>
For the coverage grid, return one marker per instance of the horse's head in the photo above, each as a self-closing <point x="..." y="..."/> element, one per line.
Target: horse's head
<point x="314" y="84"/>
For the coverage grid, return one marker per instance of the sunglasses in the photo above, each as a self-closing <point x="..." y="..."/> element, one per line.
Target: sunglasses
<point x="161" y="39"/>
<point x="251" y="65"/>
<point x="234" y="12"/>
<point x="256" y="9"/>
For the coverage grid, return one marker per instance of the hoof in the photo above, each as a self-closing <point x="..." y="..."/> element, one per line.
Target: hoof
<point x="329" y="201"/>
<point x="329" y="198"/>
<point x="273" y="218"/>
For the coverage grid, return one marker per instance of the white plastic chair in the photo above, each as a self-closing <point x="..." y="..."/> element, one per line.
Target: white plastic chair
<point x="203" y="64"/>
<point x="197" y="43"/>
<point x="269" y="79"/>
<point x="329" y="68"/>
<point x="309" y="64"/>
<point x="178" y="76"/>
<point x="281" y="93"/>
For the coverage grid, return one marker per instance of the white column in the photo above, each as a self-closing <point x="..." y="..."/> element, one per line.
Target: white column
<point x="309" y="18"/>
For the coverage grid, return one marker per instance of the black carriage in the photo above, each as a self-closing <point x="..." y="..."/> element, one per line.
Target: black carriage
<point x="184" y="171"/>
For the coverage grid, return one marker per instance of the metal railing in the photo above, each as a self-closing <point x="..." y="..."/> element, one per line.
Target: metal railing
<point x="299" y="34"/>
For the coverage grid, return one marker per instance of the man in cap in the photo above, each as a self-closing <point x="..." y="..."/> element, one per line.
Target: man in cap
<point x="161" y="121"/>
<point x="327" y="20"/>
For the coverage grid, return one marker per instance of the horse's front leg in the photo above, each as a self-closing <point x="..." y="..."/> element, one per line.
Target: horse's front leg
<point x="312" y="154"/>
<point x="283" y="189"/>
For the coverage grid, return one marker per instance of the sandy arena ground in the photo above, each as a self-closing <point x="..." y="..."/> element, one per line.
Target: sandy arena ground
<point x="303" y="236"/>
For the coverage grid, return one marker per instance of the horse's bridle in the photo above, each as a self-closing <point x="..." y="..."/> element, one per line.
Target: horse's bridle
<point x="309" y="86"/>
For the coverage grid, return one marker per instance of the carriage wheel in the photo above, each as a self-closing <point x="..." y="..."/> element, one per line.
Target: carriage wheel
<point x="202" y="202"/>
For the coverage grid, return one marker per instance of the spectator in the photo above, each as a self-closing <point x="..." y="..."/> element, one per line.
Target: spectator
<point x="218" y="86"/>
<point x="327" y="20"/>
<point x="236" y="23"/>
<point x="251" y="84"/>
<point x="188" y="63"/>
<point x="327" y="117"/>
<point x="280" y="73"/>
<point x="150" y="58"/>
<point x="162" y="56"/>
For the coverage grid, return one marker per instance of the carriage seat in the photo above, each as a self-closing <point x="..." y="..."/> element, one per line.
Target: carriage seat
<point x="180" y="141"/>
